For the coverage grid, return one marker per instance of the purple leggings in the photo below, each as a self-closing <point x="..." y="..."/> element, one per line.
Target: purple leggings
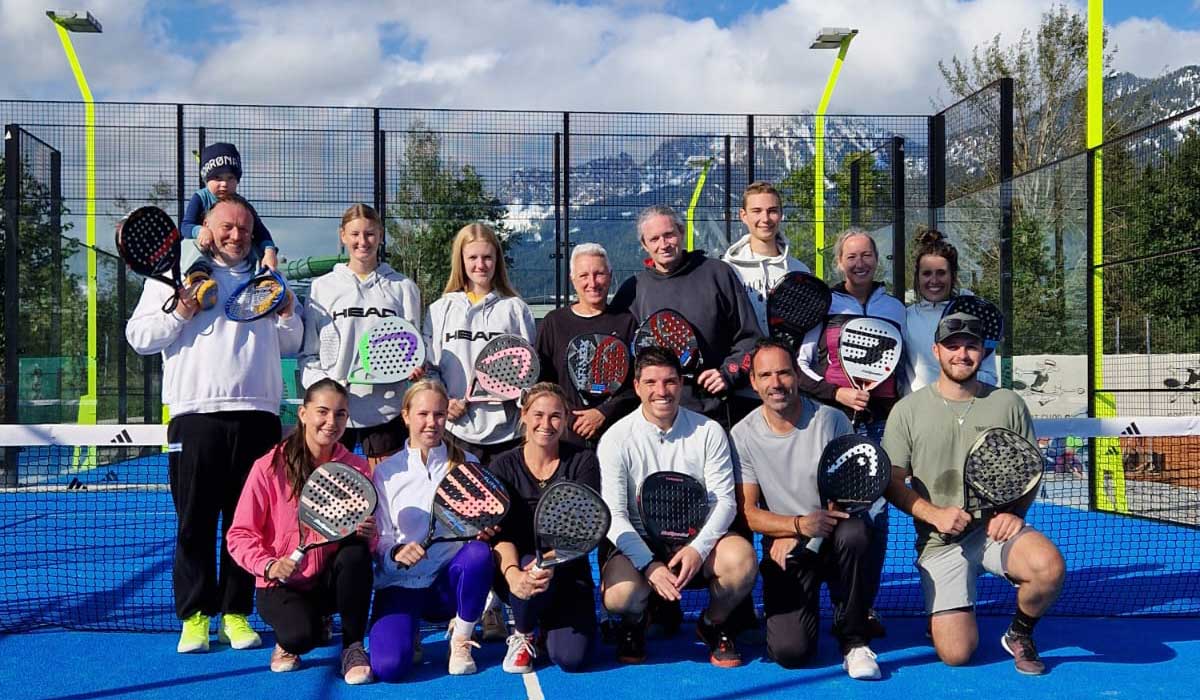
<point x="461" y="588"/>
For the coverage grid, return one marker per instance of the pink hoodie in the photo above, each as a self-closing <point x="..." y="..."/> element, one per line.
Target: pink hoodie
<point x="266" y="523"/>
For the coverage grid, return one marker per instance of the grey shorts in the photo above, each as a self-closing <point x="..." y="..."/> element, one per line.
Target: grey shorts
<point x="948" y="572"/>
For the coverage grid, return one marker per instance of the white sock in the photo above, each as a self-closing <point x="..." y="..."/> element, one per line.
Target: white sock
<point x="462" y="628"/>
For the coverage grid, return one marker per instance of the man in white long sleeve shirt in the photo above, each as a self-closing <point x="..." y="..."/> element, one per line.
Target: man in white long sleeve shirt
<point x="661" y="436"/>
<point x="222" y="383"/>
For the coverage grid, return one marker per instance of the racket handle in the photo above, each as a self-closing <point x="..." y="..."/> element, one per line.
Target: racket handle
<point x="297" y="555"/>
<point x="814" y="544"/>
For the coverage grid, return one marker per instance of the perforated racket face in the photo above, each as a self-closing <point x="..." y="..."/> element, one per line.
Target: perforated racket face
<point x="1001" y="467"/>
<point x="469" y="499"/>
<point x="988" y="314"/>
<point x="571" y="520"/>
<point x="853" y="473"/>
<point x="390" y="351"/>
<point x="507" y="366"/>
<point x="673" y="508"/>
<point x="869" y="349"/>
<point x="260" y="296"/>
<point x="330" y="349"/>
<point x="148" y="241"/>
<point x="597" y="364"/>
<point x="797" y="304"/>
<point x="669" y="330"/>
<point x="335" y="500"/>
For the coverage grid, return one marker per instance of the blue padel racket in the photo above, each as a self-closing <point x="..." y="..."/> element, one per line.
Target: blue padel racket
<point x="389" y="352"/>
<point x="262" y="294"/>
<point x="148" y="241"/>
<point x="990" y="318"/>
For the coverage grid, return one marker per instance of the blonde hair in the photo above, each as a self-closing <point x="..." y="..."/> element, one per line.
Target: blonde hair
<point x="536" y="392"/>
<point x="472" y="233"/>
<point x="454" y="453"/>
<point x="761" y="187"/>
<point x="361" y="211"/>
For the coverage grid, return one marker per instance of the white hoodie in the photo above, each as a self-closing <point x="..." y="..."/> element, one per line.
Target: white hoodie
<point x="210" y="363"/>
<point x="341" y="303"/>
<point x="760" y="274"/>
<point x="921" y="367"/>
<point x="455" y="332"/>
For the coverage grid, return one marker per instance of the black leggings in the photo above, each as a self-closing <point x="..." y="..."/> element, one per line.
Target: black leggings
<point x="566" y="613"/>
<point x="344" y="587"/>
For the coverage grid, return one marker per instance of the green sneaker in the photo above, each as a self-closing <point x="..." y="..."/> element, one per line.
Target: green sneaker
<point x="194" y="637"/>
<point x="235" y="630"/>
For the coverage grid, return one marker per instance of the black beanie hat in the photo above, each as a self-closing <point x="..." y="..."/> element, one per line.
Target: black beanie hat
<point x="218" y="159"/>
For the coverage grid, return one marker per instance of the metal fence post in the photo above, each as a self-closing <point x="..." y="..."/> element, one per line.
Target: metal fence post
<point x="898" y="216"/>
<point x="566" y="189"/>
<point x="749" y="148"/>
<point x="728" y="192"/>
<point x="12" y="269"/>
<point x="937" y="166"/>
<point x="1006" y="228"/>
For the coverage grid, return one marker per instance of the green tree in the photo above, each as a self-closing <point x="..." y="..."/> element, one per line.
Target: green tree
<point x="434" y="200"/>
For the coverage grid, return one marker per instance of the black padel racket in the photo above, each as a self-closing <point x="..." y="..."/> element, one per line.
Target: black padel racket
<point x="262" y="294"/>
<point x="796" y="305"/>
<point x="1002" y="468"/>
<point x="335" y="500"/>
<point x="468" y="500"/>
<point x="148" y="241"/>
<point x="669" y="330"/>
<point x="388" y="352"/>
<point x="853" y="473"/>
<point x="990" y="318"/>
<point x="570" y="521"/>
<point x="597" y="364"/>
<point x="869" y="351"/>
<point x="673" y="507"/>
<point x="505" y="368"/>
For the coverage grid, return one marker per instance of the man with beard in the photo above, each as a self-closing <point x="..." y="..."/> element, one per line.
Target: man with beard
<point x="928" y="437"/>
<point x="777" y="449"/>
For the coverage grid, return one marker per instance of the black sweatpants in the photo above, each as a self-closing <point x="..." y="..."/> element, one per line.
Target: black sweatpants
<point x="791" y="596"/>
<point x="344" y="588"/>
<point x="206" y="475"/>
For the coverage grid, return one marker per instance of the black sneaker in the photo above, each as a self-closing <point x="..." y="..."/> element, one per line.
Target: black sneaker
<point x="722" y="651"/>
<point x="631" y="642"/>
<point x="1024" y="653"/>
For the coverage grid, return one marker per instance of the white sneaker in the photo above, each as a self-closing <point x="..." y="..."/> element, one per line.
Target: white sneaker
<point x="521" y="653"/>
<point x="461" y="663"/>
<point x="860" y="664"/>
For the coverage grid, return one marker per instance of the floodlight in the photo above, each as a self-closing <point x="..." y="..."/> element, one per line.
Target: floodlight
<point x="831" y="37"/>
<point x="75" y="21"/>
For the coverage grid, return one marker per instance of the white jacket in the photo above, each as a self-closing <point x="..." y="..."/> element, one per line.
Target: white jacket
<point x="920" y="366"/>
<point x="352" y="306"/>
<point x="455" y="332"/>
<point x="406" y="486"/>
<point x="210" y="363"/>
<point x="759" y="274"/>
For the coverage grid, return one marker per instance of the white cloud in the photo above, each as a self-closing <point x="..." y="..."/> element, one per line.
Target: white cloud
<point x="1150" y="47"/>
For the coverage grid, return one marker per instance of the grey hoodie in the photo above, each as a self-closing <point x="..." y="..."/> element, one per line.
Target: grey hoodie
<point x="341" y="304"/>
<point x="760" y="274"/>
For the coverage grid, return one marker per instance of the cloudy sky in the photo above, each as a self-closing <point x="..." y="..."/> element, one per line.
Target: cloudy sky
<point x="643" y="55"/>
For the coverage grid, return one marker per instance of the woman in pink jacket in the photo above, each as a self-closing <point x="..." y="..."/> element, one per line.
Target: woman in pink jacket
<point x="294" y="598"/>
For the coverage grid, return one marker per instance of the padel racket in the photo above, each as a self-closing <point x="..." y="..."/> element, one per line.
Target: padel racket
<point x="505" y="368"/>
<point x="597" y="364"/>
<point x="673" y="507"/>
<point x="570" y="521"/>
<point x="329" y="347"/>
<point x="869" y="350"/>
<point x="262" y="294"/>
<point x="335" y="500"/>
<point x="1002" y="467"/>
<point x="669" y="330"/>
<point x="991" y="321"/>
<point x="797" y="304"/>
<point x="468" y="500"/>
<point x="388" y="352"/>
<point x="148" y="241"/>
<point x="853" y="473"/>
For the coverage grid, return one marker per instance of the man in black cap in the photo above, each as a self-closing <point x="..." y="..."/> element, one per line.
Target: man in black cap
<point x="928" y="436"/>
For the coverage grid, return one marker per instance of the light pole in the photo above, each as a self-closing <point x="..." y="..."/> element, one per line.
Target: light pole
<point x="829" y="38"/>
<point x="704" y="163"/>
<point x="84" y="22"/>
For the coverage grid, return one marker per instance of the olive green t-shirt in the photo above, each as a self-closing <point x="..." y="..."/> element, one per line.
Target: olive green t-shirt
<point x="924" y="436"/>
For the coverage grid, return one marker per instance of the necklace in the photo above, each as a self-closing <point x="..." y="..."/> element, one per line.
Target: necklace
<point x="957" y="417"/>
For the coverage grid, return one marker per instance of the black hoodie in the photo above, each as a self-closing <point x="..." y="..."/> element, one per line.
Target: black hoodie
<point x="710" y="296"/>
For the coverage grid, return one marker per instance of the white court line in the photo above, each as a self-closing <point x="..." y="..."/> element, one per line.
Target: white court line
<point x="533" y="689"/>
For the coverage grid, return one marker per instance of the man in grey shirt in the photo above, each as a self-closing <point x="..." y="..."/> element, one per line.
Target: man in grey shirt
<point x="777" y="448"/>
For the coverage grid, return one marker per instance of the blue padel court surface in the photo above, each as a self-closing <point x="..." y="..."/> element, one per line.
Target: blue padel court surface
<point x="1087" y="658"/>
